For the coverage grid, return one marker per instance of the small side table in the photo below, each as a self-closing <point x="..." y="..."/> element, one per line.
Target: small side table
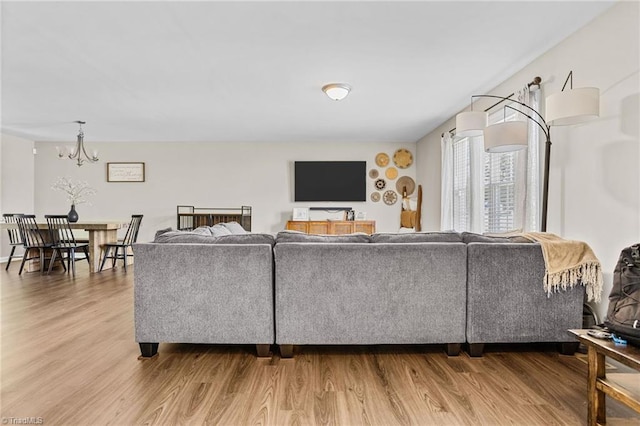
<point x="624" y="387"/>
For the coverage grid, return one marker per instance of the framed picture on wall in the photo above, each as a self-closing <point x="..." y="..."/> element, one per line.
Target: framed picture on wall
<point x="125" y="172"/>
<point x="300" y="214"/>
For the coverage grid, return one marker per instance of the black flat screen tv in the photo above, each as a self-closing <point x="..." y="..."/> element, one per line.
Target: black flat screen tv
<point x="330" y="180"/>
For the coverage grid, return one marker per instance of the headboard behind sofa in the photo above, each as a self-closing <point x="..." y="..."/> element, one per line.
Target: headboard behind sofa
<point x="190" y="217"/>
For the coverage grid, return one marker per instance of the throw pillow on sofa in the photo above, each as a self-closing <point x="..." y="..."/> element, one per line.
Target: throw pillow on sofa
<point x="202" y="230"/>
<point x="234" y="228"/>
<point x="218" y="230"/>
<point x="162" y="231"/>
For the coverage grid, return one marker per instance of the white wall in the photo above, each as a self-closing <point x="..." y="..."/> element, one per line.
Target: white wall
<point x="594" y="176"/>
<point x="17" y="181"/>
<point x="205" y="175"/>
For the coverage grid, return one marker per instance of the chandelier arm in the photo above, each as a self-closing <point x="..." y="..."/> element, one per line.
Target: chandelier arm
<point x="76" y="152"/>
<point x="91" y="159"/>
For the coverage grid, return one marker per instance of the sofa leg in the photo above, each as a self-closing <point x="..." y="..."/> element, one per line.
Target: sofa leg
<point x="568" y="348"/>
<point x="286" y="351"/>
<point x="148" y="350"/>
<point x="453" y="349"/>
<point x="476" y="349"/>
<point x="262" y="350"/>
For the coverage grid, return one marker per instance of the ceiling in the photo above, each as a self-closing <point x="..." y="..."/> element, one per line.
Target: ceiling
<point x="253" y="71"/>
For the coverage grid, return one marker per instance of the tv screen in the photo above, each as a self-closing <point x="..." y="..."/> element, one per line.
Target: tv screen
<point x="330" y="180"/>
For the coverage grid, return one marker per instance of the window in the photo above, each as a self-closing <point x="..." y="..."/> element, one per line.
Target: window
<point x="499" y="192"/>
<point x="500" y="184"/>
<point x="491" y="192"/>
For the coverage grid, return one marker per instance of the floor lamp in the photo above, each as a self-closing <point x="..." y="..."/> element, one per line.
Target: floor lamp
<point x="566" y="107"/>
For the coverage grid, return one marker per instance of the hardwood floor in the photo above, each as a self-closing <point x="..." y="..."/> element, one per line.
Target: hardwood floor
<point x="69" y="357"/>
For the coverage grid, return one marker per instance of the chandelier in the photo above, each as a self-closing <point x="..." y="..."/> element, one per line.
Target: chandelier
<point x="78" y="152"/>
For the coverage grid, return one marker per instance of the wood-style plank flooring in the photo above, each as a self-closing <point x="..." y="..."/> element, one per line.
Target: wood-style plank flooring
<point x="69" y="357"/>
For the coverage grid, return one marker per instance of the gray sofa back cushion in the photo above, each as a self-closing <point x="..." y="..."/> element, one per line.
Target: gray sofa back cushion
<point x="418" y="237"/>
<point x="189" y="237"/>
<point x="301" y="237"/>
<point x="246" y="239"/>
<point x="470" y="237"/>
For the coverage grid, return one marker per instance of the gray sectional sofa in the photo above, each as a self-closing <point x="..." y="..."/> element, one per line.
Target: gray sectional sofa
<point x="506" y="302"/>
<point x="343" y="290"/>
<point x="299" y="289"/>
<point x="197" y="288"/>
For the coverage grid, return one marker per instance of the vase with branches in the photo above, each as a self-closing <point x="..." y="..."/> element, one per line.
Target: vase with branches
<point x="77" y="193"/>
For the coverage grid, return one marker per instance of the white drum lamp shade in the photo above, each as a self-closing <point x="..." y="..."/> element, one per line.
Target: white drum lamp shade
<point x="507" y="136"/>
<point x="471" y="123"/>
<point x="573" y="106"/>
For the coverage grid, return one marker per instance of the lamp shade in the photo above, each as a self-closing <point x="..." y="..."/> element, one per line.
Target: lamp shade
<point x="336" y="91"/>
<point x="471" y="123"/>
<point x="573" y="106"/>
<point x="506" y="136"/>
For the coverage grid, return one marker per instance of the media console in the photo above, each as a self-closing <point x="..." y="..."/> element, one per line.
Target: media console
<point x="332" y="227"/>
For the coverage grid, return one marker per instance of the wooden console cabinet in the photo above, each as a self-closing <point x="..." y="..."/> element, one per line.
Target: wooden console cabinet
<point x="332" y="227"/>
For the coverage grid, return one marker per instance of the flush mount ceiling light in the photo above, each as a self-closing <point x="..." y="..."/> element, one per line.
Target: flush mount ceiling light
<point x="336" y="91"/>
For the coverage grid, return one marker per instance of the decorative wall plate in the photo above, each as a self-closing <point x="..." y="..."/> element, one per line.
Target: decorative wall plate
<point x="373" y="173"/>
<point x="375" y="197"/>
<point x="403" y="158"/>
<point x="391" y="173"/>
<point x="381" y="184"/>
<point x="382" y="159"/>
<point x="390" y="197"/>
<point x="405" y="181"/>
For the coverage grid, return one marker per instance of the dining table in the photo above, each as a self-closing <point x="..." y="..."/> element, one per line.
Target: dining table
<point x="100" y="232"/>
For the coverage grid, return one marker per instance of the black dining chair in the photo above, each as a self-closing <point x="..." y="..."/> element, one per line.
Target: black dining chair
<point x="33" y="239"/>
<point x="15" y="238"/>
<point x="130" y="237"/>
<point x="62" y="240"/>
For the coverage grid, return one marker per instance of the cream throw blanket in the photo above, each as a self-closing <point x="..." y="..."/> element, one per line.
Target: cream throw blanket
<point x="568" y="263"/>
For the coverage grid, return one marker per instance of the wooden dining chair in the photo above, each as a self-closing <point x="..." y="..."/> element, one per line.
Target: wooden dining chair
<point x="32" y="240"/>
<point x="130" y="237"/>
<point x="62" y="240"/>
<point x="15" y="238"/>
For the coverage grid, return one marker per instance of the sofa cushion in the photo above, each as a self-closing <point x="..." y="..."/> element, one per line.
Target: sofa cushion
<point x="162" y="231"/>
<point x="202" y="230"/>
<point x="184" y="237"/>
<point x="470" y="237"/>
<point x="247" y="238"/>
<point x="234" y="228"/>
<point x="301" y="237"/>
<point x="417" y="237"/>
<point x="218" y="230"/>
<point x="190" y="237"/>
